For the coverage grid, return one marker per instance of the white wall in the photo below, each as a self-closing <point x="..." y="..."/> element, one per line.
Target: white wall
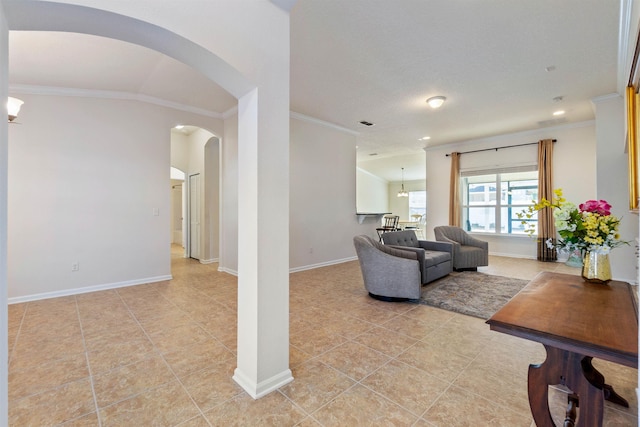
<point x="212" y="200"/>
<point x="84" y="191"/>
<point x="612" y="184"/>
<point x="372" y="192"/>
<point x="574" y="171"/>
<point x="323" y="217"/>
<point x="176" y="211"/>
<point x="589" y="163"/>
<point x="400" y="205"/>
<point x="228" y="257"/>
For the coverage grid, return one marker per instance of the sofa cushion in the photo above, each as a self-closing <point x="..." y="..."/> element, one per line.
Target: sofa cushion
<point x="394" y="251"/>
<point x="432" y="258"/>
<point x="401" y="238"/>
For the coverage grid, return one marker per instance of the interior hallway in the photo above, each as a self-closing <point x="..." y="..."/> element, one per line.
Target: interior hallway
<point x="163" y="354"/>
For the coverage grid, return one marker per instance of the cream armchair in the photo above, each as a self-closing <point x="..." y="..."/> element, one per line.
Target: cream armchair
<point x="469" y="253"/>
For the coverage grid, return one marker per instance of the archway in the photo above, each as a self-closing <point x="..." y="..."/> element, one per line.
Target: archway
<point x="196" y="151"/>
<point x="260" y="368"/>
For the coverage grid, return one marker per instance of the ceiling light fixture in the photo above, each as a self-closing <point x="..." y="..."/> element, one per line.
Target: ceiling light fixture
<point x="179" y="127"/>
<point x="558" y="113"/>
<point x="402" y="193"/>
<point x="424" y="138"/>
<point x="13" y="107"/>
<point x="436" y="101"/>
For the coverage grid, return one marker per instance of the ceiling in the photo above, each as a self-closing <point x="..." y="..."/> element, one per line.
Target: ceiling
<point x="499" y="63"/>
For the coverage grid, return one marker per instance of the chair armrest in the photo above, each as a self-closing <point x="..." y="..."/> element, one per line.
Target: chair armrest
<point x="437" y="246"/>
<point x="417" y="252"/>
<point x="401" y="251"/>
<point x="448" y="240"/>
<point x="472" y="241"/>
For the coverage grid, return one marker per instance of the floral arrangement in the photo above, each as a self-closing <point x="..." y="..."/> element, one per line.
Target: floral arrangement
<point x="589" y="227"/>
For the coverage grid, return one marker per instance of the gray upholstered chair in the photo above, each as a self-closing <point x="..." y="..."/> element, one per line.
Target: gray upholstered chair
<point x="469" y="253"/>
<point x="389" y="274"/>
<point x="436" y="258"/>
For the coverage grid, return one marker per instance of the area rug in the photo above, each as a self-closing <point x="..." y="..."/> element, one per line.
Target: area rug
<point x="472" y="293"/>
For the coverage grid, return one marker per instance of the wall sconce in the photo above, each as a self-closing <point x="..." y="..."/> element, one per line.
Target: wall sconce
<point x="13" y="107"/>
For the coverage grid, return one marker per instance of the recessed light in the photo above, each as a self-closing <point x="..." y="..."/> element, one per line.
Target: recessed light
<point x="424" y="138"/>
<point x="179" y="127"/>
<point x="550" y="68"/>
<point x="558" y="113"/>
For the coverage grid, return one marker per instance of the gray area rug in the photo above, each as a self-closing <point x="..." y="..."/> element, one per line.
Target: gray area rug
<point x="472" y="293"/>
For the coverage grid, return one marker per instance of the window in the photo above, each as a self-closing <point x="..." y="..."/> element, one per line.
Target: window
<point x="417" y="203"/>
<point x="491" y="199"/>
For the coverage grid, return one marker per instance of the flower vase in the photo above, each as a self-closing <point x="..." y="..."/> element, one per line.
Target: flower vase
<point x="575" y="259"/>
<point x="596" y="268"/>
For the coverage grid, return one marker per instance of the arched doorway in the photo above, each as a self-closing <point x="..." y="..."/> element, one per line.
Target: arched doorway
<point x="196" y="151"/>
<point x="261" y="368"/>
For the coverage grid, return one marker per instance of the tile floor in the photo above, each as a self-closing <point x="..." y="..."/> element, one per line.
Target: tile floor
<point x="163" y="355"/>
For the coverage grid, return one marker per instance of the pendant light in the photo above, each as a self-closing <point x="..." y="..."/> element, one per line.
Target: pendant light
<point x="402" y="193"/>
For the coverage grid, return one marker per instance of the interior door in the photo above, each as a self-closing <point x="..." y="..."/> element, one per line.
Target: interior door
<point x="194" y="216"/>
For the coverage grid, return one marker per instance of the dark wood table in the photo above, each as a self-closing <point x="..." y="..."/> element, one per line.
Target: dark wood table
<point x="575" y="321"/>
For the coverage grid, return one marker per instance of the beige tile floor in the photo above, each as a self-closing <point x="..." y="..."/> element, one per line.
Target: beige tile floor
<point x="163" y="355"/>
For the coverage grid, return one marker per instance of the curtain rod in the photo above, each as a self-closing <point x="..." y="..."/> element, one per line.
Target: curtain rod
<point x="499" y="148"/>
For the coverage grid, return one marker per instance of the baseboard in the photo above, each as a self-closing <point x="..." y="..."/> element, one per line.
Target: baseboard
<point x="209" y="261"/>
<point x="322" y="264"/>
<point x="228" y="271"/>
<point x="263" y="387"/>
<point x="302" y="268"/>
<point x="512" y="255"/>
<point x="85" y="290"/>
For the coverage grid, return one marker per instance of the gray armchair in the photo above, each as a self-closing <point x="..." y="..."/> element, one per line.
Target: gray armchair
<point x="435" y="258"/>
<point x="389" y="274"/>
<point x="469" y="253"/>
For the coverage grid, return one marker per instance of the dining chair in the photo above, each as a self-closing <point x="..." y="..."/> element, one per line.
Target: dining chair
<point x="390" y="224"/>
<point x="420" y="224"/>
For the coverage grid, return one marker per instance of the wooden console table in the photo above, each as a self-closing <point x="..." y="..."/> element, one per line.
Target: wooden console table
<point x="575" y="321"/>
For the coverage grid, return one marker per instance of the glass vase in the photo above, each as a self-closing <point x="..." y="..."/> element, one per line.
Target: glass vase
<point x="596" y="268"/>
<point x="575" y="259"/>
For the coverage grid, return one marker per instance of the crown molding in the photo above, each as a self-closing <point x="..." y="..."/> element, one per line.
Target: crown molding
<point x="309" y="119"/>
<point x="230" y="112"/>
<point x="109" y="94"/>
<point x="492" y="138"/>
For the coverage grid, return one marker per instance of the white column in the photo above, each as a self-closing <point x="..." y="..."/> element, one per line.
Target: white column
<point x="263" y="249"/>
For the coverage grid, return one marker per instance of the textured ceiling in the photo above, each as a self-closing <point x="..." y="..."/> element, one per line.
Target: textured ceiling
<point x="379" y="60"/>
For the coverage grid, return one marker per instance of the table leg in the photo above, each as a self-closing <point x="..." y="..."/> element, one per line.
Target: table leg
<point x="574" y="371"/>
<point x="596" y="378"/>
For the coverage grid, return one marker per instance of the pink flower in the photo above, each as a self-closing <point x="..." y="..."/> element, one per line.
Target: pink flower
<point x="600" y="207"/>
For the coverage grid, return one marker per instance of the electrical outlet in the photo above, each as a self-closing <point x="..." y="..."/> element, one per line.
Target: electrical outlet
<point x="75" y="266"/>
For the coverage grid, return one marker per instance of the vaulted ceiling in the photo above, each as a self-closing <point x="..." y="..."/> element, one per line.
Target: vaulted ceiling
<point x="501" y="64"/>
